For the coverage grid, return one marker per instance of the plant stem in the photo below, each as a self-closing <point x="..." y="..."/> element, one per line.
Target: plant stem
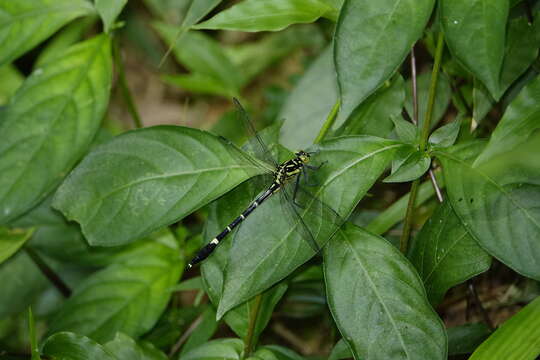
<point x="328" y="123"/>
<point x="249" y="342"/>
<point x="404" y="240"/>
<point x="49" y="273"/>
<point x="126" y="93"/>
<point x="414" y="87"/>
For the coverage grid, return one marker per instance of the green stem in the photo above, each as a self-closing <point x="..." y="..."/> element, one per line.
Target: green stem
<point x="330" y="119"/>
<point x="126" y="93"/>
<point x="404" y="240"/>
<point x="249" y="341"/>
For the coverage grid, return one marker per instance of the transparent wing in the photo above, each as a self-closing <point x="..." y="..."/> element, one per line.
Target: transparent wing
<point x="255" y="145"/>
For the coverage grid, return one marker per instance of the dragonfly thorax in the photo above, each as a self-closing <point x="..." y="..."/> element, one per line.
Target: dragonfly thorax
<point x="290" y="168"/>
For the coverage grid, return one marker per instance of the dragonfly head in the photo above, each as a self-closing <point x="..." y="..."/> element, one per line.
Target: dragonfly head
<point x="302" y="155"/>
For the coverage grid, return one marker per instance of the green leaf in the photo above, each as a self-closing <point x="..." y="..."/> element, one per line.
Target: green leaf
<point x="475" y="33"/>
<point x="11" y="81"/>
<point x="446" y="135"/>
<point x="11" y="241"/>
<point x="65" y="38"/>
<point x="277" y="352"/>
<point x="201" y="54"/>
<point x="406" y="131"/>
<point x="352" y="165"/>
<point x="521" y="49"/>
<point x="442" y="97"/>
<point x="59" y="106"/>
<point x="222" y="349"/>
<point x="127" y="296"/>
<point x="378" y="301"/>
<point x="200" y="84"/>
<point x="374" y="116"/>
<point x="21" y="281"/>
<point x="412" y="168"/>
<point x="517" y="338"/>
<point x="519" y="122"/>
<point x="384" y="33"/>
<point x="70" y="346"/>
<point x="109" y="11"/>
<point x="309" y="103"/>
<point x="497" y="201"/>
<point x="445" y="254"/>
<point x="24" y="24"/>
<point x="482" y="101"/>
<point x="34" y="347"/>
<point x="122" y="347"/>
<point x="220" y="214"/>
<point x="204" y="330"/>
<point x="464" y="339"/>
<point x="148" y="178"/>
<point x="340" y="351"/>
<point x="266" y="15"/>
<point x="197" y="10"/>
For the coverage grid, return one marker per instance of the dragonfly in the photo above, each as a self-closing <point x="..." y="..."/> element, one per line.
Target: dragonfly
<point x="284" y="174"/>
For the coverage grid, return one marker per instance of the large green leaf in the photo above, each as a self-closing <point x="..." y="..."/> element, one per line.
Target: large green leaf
<point x="148" y="178"/>
<point x="445" y="254"/>
<point x="475" y="33"/>
<point x="310" y="102"/>
<point x="384" y="32"/>
<point x="26" y="23"/>
<point x="70" y="346"/>
<point x="50" y="123"/>
<point x="127" y="296"/>
<point x="517" y="338"/>
<point x="220" y="214"/>
<point x="12" y="79"/>
<point x="270" y="244"/>
<point x="267" y="15"/>
<point x="11" y="240"/>
<point x="520" y="121"/>
<point x="497" y="202"/>
<point x="378" y="301"/>
<point x="221" y="349"/>
<point x="374" y="116"/>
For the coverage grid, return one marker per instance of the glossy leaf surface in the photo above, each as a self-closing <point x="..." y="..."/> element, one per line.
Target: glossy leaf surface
<point x="254" y="266"/>
<point x="378" y="301"/>
<point x="445" y="254"/>
<point x="266" y="15"/>
<point x="24" y="23"/>
<point x="148" y="178"/>
<point x="59" y="106"/>
<point x="127" y="296"/>
<point x="70" y="346"/>
<point x="222" y="349"/>
<point x="475" y="31"/>
<point x="384" y="32"/>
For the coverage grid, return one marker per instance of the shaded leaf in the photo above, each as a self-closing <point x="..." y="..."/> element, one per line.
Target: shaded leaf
<point x="406" y="131"/>
<point x="70" y="346"/>
<point x="267" y="15"/>
<point x="384" y="33"/>
<point x="34" y="347"/>
<point x="59" y="106"/>
<point x="202" y="332"/>
<point x="412" y="168"/>
<point x="475" y="33"/>
<point x="254" y="266"/>
<point x="309" y="103"/>
<point x="442" y="97"/>
<point x="374" y="116"/>
<point x="24" y="24"/>
<point x="378" y="301"/>
<point x="340" y="351"/>
<point x="465" y="339"/>
<point x="11" y="240"/>
<point x="517" y="338"/>
<point x="445" y="254"/>
<point x="109" y="11"/>
<point x="275" y="352"/>
<point x="127" y="296"/>
<point x="148" y="178"/>
<point x="497" y="201"/>
<point x="122" y="347"/>
<point x="222" y="349"/>
<point x="446" y="135"/>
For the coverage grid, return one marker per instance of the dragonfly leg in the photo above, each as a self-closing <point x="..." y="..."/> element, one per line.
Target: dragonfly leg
<point x="311" y="167"/>
<point x="295" y="191"/>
